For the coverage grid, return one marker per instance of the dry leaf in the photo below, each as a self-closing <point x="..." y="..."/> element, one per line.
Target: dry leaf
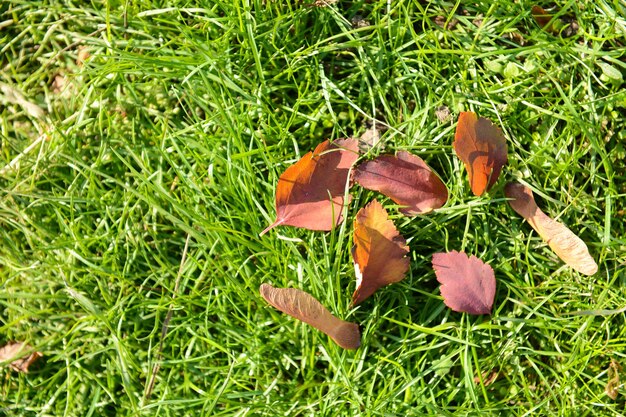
<point x="379" y="252"/>
<point x="482" y="148"/>
<point x="468" y="285"/>
<point x="310" y="193"/>
<point x="565" y="26"/>
<point x="487" y="378"/>
<point x="443" y="114"/>
<point x="445" y="23"/>
<point x="406" y="179"/>
<point x="369" y="139"/>
<point x="323" y="3"/>
<point x="13" y="95"/>
<point x="542" y="17"/>
<point x="516" y="37"/>
<point x="359" y="22"/>
<point x="58" y="84"/>
<point x="569" y="247"/>
<point x="613" y="384"/>
<point x="306" y="308"/>
<point x="15" y="351"/>
<point x="82" y="55"/>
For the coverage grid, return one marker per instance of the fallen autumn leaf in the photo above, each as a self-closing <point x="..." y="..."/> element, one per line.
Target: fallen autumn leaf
<point x="406" y="179"/>
<point x="468" y="285"/>
<point x="15" y="351"/>
<point x="310" y="193"/>
<point x="379" y="252"/>
<point x="482" y="148"/>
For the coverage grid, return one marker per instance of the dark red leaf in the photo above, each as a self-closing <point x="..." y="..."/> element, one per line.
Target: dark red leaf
<point x="406" y="179"/>
<point x="468" y="285"/>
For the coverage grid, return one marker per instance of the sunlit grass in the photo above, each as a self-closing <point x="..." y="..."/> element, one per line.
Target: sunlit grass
<point x="177" y="125"/>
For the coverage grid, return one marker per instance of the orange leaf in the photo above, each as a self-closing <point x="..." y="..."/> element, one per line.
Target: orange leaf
<point x="310" y="193"/>
<point x="482" y="148"/>
<point x="468" y="285"/>
<point x="569" y="247"/>
<point x="15" y="351"/>
<point x="378" y="252"/>
<point x="406" y="179"/>
<point x="306" y="308"/>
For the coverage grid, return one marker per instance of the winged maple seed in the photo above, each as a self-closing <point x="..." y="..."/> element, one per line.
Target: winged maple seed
<point x="310" y="193"/>
<point x="468" y="285"/>
<point x="379" y="252"/>
<point x="306" y="308"/>
<point x="569" y="247"/>
<point x="17" y="352"/>
<point x="406" y="179"/>
<point x="483" y="150"/>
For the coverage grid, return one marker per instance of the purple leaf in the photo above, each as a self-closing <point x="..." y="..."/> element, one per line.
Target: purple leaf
<point x="468" y="285"/>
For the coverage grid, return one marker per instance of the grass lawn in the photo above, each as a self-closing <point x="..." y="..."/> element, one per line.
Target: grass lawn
<point x="141" y="144"/>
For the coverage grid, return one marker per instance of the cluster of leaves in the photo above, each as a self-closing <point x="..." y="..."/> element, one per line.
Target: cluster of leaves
<point x="314" y="192"/>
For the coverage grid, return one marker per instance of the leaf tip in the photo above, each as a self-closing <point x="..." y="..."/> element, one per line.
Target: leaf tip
<point x="358" y="296"/>
<point x="271" y="226"/>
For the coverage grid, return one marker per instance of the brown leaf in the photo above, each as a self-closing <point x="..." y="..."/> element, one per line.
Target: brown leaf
<point x="613" y="384"/>
<point x="82" y="55"/>
<point x="15" y="351"/>
<point x="359" y="22"/>
<point x="369" y="139"/>
<point x="59" y="83"/>
<point x="323" y="3"/>
<point x="565" y="25"/>
<point x="487" y="378"/>
<point x="516" y="37"/>
<point x="306" y="308"/>
<point x="569" y="247"/>
<point x="379" y="252"/>
<point x="468" y="285"/>
<point x="445" y="22"/>
<point x="482" y="148"/>
<point x="406" y="179"/>
<point x="541" y="17"/>
<point x="443" y="114"/>
<point x="310" y="193"/>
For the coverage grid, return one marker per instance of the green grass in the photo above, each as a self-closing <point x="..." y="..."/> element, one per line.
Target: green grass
<point x="177" y="127"/>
